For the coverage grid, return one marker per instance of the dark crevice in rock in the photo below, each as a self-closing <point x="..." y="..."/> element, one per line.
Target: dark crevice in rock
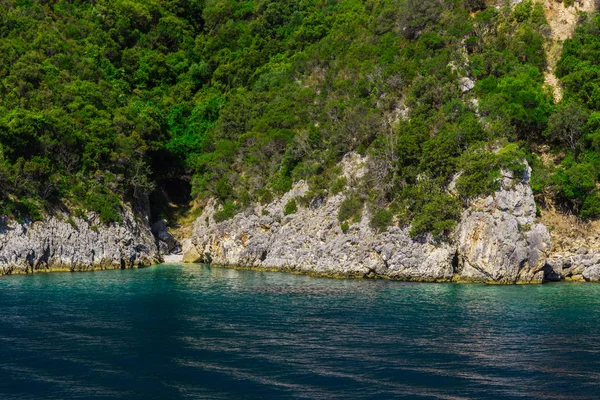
<point x="44" y="259"/>
<point x="372" y="273"/>
<point x="263" y="255"/>
<point x="317" y="202"/>
<point x="30" y="260"/>
<point x="550" y="275"/>
<point x="165" y="242"/>
<point x="455" y="264"/>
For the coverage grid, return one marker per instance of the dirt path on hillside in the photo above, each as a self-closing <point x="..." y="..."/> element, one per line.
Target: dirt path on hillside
<point x="562" y="21"/>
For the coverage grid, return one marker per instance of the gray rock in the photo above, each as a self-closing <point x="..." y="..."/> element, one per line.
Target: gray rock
<point x="466" y="84"/>
<point x="159" y="226"/>
<point x="501" y="244"/>
<point x="76" y="244"/>
<point x="592" y="273"/>
<point x="311" y="241"/>
<point x="579" y="266"/>
<point x="166" y="243"/>
<point x="163" y="248"/>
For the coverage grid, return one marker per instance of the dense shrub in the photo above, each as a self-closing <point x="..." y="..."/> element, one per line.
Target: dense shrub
<point x="290" y="207"/>
<point x="350" y="208"/>
<point x="381" y="220"/>
<point x="338" y="185"/>
<point x="439" y="217"/>
<point x="228" y="210"/>
<point x="479" y="175"/>
<point x="591" y="206"/>
<point x="345" y="226"/>
<point x="105" y="203"/>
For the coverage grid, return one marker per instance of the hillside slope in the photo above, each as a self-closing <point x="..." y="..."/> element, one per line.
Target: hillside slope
<point x="562" y="21"/>
<point x="162" y="104"/>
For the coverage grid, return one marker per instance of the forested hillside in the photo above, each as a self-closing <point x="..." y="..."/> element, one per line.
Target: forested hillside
<point x="123" y="100"/>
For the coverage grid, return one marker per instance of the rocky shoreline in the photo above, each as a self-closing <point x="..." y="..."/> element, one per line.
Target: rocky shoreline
<point x="66" y="243"/>
<point x="497" y="241"/>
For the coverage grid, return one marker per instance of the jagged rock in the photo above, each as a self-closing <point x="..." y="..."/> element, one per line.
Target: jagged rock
<point x="166" y="243"/>
<point x="592" y="273"/>
<point x="60" y="242"/>
<point x="190" y="254"/>
<point x="163" y="248"/>
<point x="578" y="267"/>
<point x="311" y="241"/>
<point x="466" y="84"/>
<point x="159" y="226"/>
<point x="500" y="243"/>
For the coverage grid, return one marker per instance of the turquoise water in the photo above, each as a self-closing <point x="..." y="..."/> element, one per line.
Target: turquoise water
<point x="175" y="332"/>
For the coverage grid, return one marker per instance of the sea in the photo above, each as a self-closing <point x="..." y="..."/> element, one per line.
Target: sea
<point x="200" y="332"/>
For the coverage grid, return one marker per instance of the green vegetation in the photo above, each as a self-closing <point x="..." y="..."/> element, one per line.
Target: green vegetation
<point x="381" y="220"/>
<point x="290" y="207"/>
<point x="575" y="126"/>
<point x="229" y="210"/>
<point x="439" y="216"/>
<point x="351" y="208"/>
<point x="142" y="102"/>
<point x="345" y="226"/>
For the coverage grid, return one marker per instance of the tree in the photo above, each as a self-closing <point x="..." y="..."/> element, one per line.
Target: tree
<point x="566" y="125"/>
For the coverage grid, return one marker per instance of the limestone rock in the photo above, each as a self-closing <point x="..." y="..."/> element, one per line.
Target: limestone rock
<point x="311" y="241"/>
<point x="498" y="243"/>
<point x="63" y="242"/>
<point x="592" y="273"/>
<point x="166" y="243"/>
<point x="466" y="84"/>
<point x="190" y="254"/>
<point x="579" y="266"/>
<point x="502" y="243"/>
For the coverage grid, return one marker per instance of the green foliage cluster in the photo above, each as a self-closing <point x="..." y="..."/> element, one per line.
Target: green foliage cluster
<point x="345" y="226"/>
<point x="110" y="101"/>
<point x="290" y="207"/>
<point x="351" y="208"/>
<point x="381" y="220"/>
<point x="574" y="129"/>
<point x="228" y="210"/>
<point x="439" y="216"/>
<point x="92" y="100"/>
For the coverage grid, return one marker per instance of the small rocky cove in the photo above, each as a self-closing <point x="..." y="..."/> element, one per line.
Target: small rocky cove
<point x="498" y="240"/>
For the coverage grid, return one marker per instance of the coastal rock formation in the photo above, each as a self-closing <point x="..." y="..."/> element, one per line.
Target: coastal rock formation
<point x="311" y="241"/>
<point x="67" y="243"/>
<point x="166" y="243"/>
<point x="497" y="240"/>
<point x="582" y="266"/>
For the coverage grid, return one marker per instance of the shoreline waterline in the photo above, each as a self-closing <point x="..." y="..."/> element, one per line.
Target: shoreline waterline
<point x="177" y="260"/>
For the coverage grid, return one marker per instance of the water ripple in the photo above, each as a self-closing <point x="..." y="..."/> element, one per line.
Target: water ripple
<point x="195" y="332"/>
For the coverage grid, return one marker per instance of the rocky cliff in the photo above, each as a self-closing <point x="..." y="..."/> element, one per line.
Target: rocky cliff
<point x="66" y="243"/>
<point x="496" y="241"/>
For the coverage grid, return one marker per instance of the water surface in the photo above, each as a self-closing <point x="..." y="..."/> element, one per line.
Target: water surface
<point x="195" y="332"/>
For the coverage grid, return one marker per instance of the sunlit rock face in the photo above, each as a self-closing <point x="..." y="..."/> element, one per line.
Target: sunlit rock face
<point x="497" y="239"/>
<point x="69" y="243"/>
